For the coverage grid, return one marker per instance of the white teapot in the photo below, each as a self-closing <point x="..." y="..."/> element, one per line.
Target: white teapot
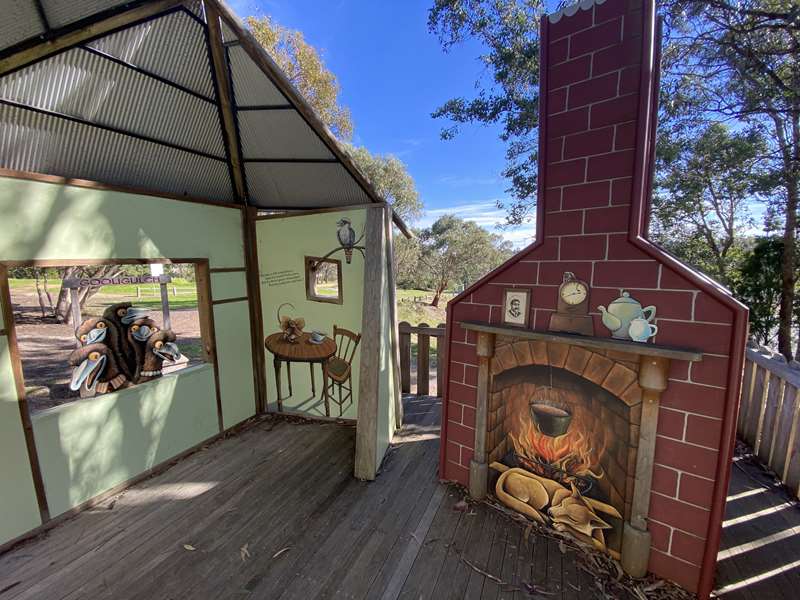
<point x="641" y="330"/>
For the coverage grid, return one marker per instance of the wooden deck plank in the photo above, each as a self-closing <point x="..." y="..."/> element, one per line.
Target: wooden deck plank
<point x="760" y="550"/>
<point x="479" y="554"/>
<point x="494" y="565"/>
<point x="425" y="572"/>
<point x="452" y="579"/>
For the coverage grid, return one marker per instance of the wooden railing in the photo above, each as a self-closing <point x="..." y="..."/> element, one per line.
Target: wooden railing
<point x="768" y="414"/>
<point x="423" y="333"/>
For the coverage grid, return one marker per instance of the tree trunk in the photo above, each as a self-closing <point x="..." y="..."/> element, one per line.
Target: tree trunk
<point x="39" y="293"/>
<point x="788" y="274"/>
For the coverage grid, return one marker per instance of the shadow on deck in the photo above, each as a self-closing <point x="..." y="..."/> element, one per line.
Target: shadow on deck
<point x="274" y="512"/>
<point x="759" y="556"/>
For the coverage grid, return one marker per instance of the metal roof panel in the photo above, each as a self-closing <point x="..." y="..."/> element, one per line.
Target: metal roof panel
<point x="61" y="12"/>
<point x="251" y="87"/>
<point x="81" y="84"/>
<point x="279" y="134"/>
<point x="302" y="185"/>
<point x="40" y="143"/>
<point x="20" y="21"/>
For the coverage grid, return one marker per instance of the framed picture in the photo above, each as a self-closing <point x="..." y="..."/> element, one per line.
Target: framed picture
<point x="516" y="305"/>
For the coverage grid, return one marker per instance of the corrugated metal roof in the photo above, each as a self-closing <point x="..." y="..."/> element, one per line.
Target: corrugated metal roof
<point x="251" y="87"/>
<point x="302" y="185"/>
<point x="172" y="47"/>
<point x="279" y="134"/>
<point x="84" y="85"/>
<point x="35" y="142"/>
<point x="61" y="12"/>
<point x="19" y="20"/>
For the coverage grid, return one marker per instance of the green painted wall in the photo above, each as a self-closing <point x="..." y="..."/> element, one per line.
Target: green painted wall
<point x="90" y="445"/>
<point x="283" y="245"/>
<point x="154" y="421"/>
<point x="17" y="495"/>
<point x="386" y="406"/>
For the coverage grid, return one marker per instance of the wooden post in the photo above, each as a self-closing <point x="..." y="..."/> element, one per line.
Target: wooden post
<point x="250" y="238"/>
<point x="441" y="360"/>
<point x="405" y="357"/>
<point x="19" y="382"/>
<point x="205" y="312"/>
<point x="653" y="373"/>
<point x="75" y="310"/>
<point x="423" y="361"/>
<point x="165" y="306"/>
<point x="395" y="342"/>
<point x="478" y="469"/>
<point x="366" y="460"/>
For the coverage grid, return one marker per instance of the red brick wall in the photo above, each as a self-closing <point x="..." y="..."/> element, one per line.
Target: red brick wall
<point x="593" y="140"/>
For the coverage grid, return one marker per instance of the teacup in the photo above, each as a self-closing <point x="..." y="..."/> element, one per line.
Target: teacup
<point x="641" y="330"/>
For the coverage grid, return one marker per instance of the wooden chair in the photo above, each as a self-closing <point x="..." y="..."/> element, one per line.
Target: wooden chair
<point x="337" y="371"/>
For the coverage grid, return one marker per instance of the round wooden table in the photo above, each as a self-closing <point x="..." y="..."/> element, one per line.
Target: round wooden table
<point x="300" y="351"/>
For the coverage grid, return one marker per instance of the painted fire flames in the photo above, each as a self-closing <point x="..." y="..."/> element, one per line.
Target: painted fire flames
<point x="557" y="467"/>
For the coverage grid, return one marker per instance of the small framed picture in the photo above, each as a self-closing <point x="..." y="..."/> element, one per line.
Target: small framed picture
<point x="516" y="304"/>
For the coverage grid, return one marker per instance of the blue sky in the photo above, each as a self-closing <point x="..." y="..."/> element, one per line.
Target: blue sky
<point x="393" y="75"/>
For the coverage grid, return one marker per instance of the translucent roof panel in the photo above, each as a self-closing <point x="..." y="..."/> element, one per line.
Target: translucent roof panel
<point x="279" y="134"/>
<point x="172" y="47"/>
<point x="40" y="143"/>
<point x="302" y="185"/>
<point x="81" y="84"/>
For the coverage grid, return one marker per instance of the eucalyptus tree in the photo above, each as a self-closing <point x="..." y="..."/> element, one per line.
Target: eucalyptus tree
<point x="740" y="61"/>
<point x="305" y="68"/>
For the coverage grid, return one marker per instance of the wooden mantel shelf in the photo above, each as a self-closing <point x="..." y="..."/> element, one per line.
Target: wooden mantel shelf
<point x="586" y="341"/>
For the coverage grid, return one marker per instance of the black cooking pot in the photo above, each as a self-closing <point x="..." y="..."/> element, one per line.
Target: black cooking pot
<point x="551" y="420"/>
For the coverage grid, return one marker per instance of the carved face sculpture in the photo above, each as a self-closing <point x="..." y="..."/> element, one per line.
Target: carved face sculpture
<point x="160" y="347"/>
<point x="93" y="331"/>
<point x="95" y="370"/>
<point x="141" y="329"/>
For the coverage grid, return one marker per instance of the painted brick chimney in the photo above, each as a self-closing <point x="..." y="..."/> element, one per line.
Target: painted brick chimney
<point x="598" y="88"/>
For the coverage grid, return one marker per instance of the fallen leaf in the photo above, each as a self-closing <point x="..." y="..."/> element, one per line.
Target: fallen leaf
<point x="244" y="552"/>
<point x="189" y="547"/>
<point x="281" y="551"/>
<point x="461" y="505"/>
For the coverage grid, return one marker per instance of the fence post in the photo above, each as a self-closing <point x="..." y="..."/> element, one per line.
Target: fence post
<point x="423" y="362"/>
<point x="441" y="360"/>
<point x="405" y="356"/>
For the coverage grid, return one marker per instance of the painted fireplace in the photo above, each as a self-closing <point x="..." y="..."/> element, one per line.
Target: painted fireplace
<point x="618" y="431"/>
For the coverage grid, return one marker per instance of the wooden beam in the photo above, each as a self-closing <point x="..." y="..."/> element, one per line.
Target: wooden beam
<point x="96" y="185"/>
<point x="71" y="35"/>
<point x="221" y="75"/>
<point x="19" y="382"/>
<point x="205" y="314"/>
<point x="397" y="396"/>
<point x="478" y="469"/>
<point x="366" y="461"/>
<point x="250" y="239"/>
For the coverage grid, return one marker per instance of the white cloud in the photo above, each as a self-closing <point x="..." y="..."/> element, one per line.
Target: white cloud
<point x="487" y="215"/>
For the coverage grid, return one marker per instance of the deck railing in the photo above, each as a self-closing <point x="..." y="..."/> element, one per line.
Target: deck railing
<point x="768" y="414"/>
<point x="427" y="357"/>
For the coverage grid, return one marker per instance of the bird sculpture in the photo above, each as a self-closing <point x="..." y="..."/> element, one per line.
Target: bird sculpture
<point x="95" y="371"/>
<point x="347" y="237"/>
<point x="121" y="315"/>
<point x="121" y="348"/>
<point x="159" y="347"/>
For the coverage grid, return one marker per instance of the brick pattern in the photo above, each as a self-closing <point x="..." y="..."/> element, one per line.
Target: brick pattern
<point x="591" y="126"/>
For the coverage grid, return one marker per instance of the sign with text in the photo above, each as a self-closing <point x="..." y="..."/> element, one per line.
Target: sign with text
<point x="79" y="282"/>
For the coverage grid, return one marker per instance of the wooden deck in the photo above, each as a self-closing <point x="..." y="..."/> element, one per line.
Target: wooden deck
<point x="274" y="512"/>
<point x="759" y="557"/>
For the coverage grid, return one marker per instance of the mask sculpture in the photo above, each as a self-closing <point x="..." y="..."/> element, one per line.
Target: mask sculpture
<point x="622" y="312"/>
<point x="121" y="348"/>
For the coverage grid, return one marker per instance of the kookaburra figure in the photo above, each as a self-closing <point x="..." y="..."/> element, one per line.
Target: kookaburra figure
<point x="347" y="237"/>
